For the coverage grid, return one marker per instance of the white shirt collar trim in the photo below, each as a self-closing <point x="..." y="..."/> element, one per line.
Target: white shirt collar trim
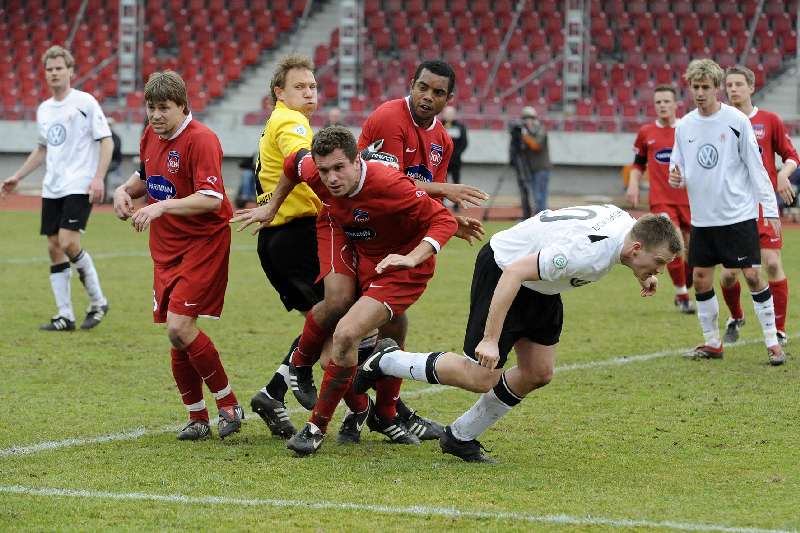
<point x="361" y="179"/>
<point x="182" y="127"/>
<point x="408" y="106"/>
<point x="753" y="112"/>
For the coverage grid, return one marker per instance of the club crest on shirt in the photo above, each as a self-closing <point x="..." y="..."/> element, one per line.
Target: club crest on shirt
<point x="436" y="154"/>
<point x="173" y="161"/>
<point x="560" y="261"/>
<point x="160" y="188"/>
<point x="361" y="216"/>
<point x="56" y="135"/>
<point x="759" y="130"/>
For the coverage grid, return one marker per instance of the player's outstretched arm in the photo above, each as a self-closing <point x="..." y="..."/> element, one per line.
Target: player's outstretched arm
<point x="194" y="204"/>
<point x="263" y="215"/>
<point x="463" y="195"/>
<point x="416" y="256"/>
<point x="124" y="195"/>
<point x="469" y="229"/>
<point x="36" y="158"/>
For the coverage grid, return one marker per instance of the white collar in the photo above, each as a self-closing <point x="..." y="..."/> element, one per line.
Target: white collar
<point x="753" y="112"/>
<point x="408" y="106"/>
<point x="361" y="179"/>
<point x="182" y="127"/>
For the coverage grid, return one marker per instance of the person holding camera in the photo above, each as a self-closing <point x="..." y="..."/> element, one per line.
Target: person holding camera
<point x="530" y="158"/>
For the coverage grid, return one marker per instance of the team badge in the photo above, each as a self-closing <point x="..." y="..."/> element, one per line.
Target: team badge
<point x="707" y="156"/>
<point x="759" y="130"/>
<point x="436" y="154"/>
<point x="300" y="130"/>
<point x="560" y="261"/>
<point x="160" y="188"/>
<point x="56" y="135"/>
<point x="173" y="161"/>
<point x="212" y="180"/>
<point x="360" y="216"/>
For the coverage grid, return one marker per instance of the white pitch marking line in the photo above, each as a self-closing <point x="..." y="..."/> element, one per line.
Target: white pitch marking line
<point x="141" y="432"/>
<point x="417" y="510"/>
<point x="101" y="255"/>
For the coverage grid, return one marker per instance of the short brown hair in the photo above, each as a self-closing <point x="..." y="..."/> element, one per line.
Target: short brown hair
<point x="665" y="89"/>
<point x="58" y="51"/>
<point x="656" y="230"/>
<point x="748" y="74"/>
<point x="164" y="86"/>
<point x="286" y="64"/>
<point x="699" y="69"/>
<point x="329" y="139"/>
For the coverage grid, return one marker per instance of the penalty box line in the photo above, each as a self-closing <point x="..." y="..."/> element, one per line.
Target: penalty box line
<point x="417" y="510"/>
<point x="139" y="432"/>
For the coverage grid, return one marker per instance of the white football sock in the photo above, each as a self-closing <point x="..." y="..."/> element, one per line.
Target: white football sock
<point x="62" y="289"/>
<point x="765" y="311"/>
<point x="485" y="412"/>
<point x="708" y="314"/>
<point x="409" y="365"/>
<point x="89" y="278"/>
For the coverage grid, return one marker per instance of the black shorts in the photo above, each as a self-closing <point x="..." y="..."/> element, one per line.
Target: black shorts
<point x="733" y="246"/>
<point x="288" y="255"/>
<point x="69" y="212"/>
<point x="533" y="316"/>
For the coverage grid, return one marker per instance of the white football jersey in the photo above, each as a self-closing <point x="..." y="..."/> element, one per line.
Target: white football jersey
<point x="576" y="245"/>
<point x="70" y="129"/>
<point x="721" y="165"/>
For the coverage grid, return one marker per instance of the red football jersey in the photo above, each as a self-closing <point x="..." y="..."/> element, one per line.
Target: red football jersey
<point x="189" y="162"/>
<point x="772" y="138"/>
<point x="387" y="213"/>
<point x="396" y="140"/>
<point x="653" y="148"/>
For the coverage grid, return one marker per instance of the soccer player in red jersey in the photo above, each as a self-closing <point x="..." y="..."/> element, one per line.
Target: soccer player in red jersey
<point x="772" y="138"/>
<point x="187" y="212"/>
<point x="653" y="147"/>
<point x="395" y="228"/>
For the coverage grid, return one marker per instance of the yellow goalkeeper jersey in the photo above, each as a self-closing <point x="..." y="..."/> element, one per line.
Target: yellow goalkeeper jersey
<point x="286" y="132"/>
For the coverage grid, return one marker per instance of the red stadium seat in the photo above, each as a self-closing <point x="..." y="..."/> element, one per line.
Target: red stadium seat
<point x="689" y="23"/>
<point x="665" y="23"/>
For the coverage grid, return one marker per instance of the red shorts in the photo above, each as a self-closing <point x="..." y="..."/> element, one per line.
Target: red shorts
<point x="678" y="214"/>
<point x="194" y="285"/>
<point x="766" y="235"/>
<point x="398" y="289"/>
<point x="334" y="250"/>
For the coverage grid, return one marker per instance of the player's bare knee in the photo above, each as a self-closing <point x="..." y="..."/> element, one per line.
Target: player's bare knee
<point x="538" y="377"/>
<point x="753" y="279"/>
<point x="345" y="337"/>
<point x="727" y="278"/>
<point x="178" y="334"/>
<point x="773" y="268"/>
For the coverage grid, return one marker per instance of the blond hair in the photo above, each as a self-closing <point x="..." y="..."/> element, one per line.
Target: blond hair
<point x="286" y="64"/>
<point x="748" y="74"/>
<point x="700" y="69"/>
<point x="654" y="231"/>
<point x="56" y="51"/>
<point x="164" y="86"/>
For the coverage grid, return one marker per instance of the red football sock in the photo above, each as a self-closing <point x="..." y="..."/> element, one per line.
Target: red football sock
<point x="733" y="301"/>
<point x="335" y="382"/>
<point x="189" y="382"/>
<point x="780" y="297"/>
<point x="677" y="271"/>
<point x="357" y="403"/>
<point x="688" y="275"/>
<point x="387" y="391"/>
<point x="311" y="341"/>
<point x="205" y="360"/>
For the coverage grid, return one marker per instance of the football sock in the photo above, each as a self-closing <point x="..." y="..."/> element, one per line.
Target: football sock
<point x="311" y="341"/>
<point x="489" y="408"/>
<point x="205" y="360"/>
<point x="765" y="311"/>
<point x="689" y="275"/>
<point x="733" y="301"/>
<point x="357" y="403"/>
<point x="780" y="297"/>
<point x="387" y="391"/>
<point x="708" y="314"/>
<point x="335" y="382"/>
<point x="410" y="365"/>
<point x="279" y="384"/>
<point x="89" y="278"/>
<point x="190" y="384"/>
<point x="677" y="272"/>
<point x="60" y="275"/>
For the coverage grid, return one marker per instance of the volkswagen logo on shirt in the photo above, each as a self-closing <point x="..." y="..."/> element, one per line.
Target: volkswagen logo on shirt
<point x="56" y="135"/>
<point x="160" y="188"/>
<point x="707" y="156"/>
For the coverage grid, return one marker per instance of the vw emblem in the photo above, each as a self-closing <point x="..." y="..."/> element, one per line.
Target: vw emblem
<point x="56" y="135"/>
<point x="707" y="156"/>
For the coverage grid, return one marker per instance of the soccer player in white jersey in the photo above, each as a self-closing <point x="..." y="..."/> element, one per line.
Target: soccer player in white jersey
<point x="717" y="159"/>
<point x="515" y="302"/>
<point x="75" y="141"/>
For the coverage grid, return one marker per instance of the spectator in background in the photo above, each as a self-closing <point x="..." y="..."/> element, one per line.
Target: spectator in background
<point x="334" y="117"/>
<point x="458" y="133"/>
<point x="113" y="177"/>
<point x="247" y="182"/>
<point x="530" y="158"/>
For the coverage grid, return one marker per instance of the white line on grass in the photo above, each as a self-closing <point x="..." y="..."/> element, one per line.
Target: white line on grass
<point x="101" y="255"/>
<point x="418" y="510"/>
<point x="141" y="432"/>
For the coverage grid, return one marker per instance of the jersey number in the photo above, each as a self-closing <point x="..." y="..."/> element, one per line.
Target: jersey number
<point x="587" y="214"/>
